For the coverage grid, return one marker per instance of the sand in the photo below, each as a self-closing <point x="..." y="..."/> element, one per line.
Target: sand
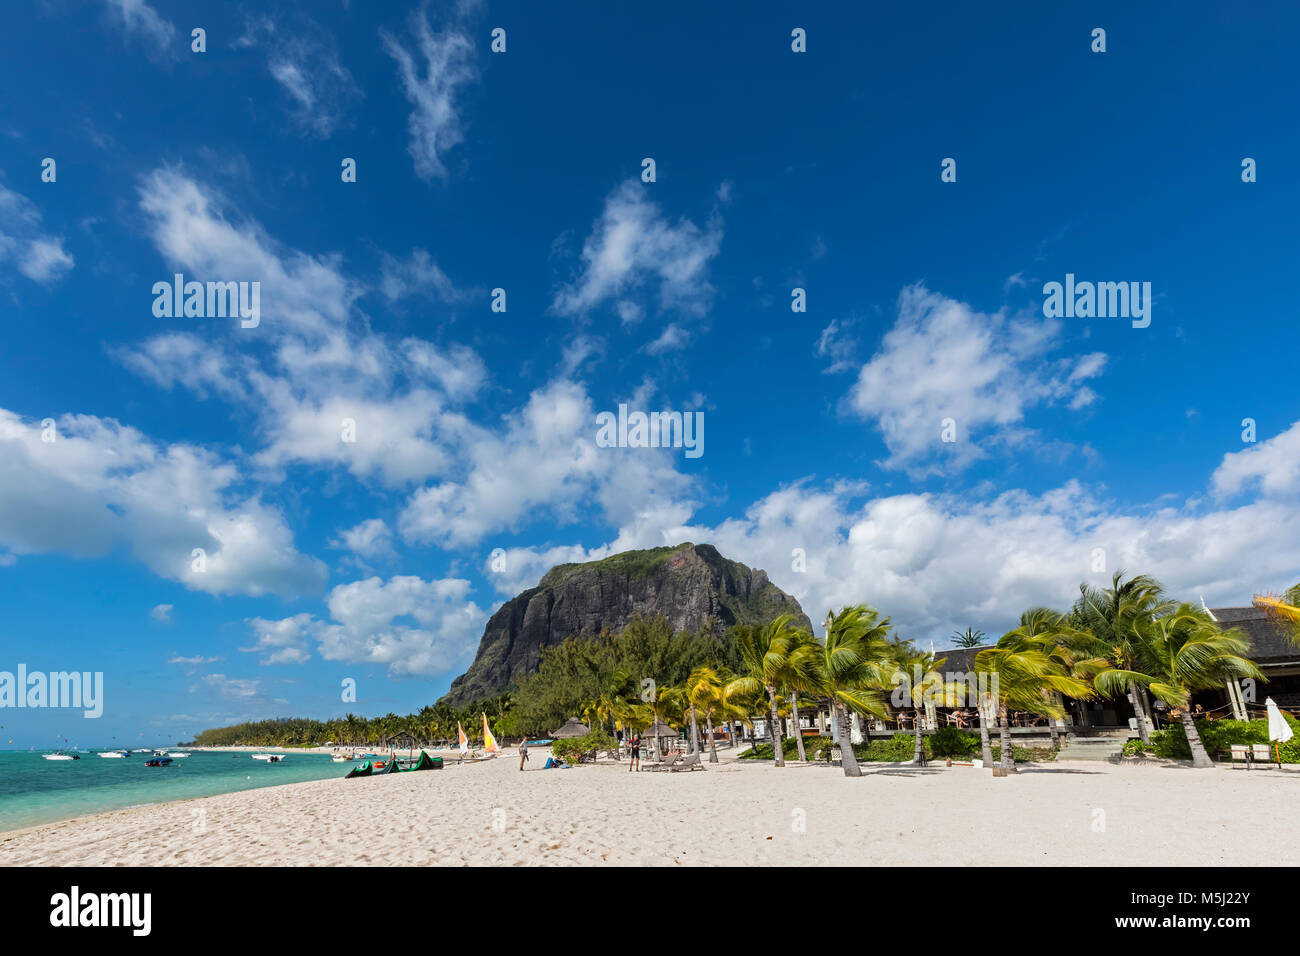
<point x="733" y="813"/>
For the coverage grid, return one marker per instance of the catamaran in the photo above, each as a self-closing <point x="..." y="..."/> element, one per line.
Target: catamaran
<point x="489" y="742"/>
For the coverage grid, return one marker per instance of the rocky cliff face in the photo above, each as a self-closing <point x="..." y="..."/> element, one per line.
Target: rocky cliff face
<point x="687" y="585"/>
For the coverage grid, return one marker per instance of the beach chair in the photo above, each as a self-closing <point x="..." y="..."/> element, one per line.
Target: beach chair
<point x="1240" y="754"/>
<point x="690" y="763"/>
<point x="668" y="764"/>
<point x="1261" y="753"/>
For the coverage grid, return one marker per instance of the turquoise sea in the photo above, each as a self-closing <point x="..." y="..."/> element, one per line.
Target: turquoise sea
<point x="34" y="790"/>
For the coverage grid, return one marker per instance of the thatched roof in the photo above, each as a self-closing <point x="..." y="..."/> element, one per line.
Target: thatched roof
<point x="660" y="729"/>
<point x="573" y="727"/>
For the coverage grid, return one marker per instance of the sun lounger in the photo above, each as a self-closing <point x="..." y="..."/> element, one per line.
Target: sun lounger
<point x="690" y="763"/>
<point x="668" y="764"/>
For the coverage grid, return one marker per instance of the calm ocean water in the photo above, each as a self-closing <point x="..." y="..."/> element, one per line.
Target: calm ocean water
<point x="34" y="790"/>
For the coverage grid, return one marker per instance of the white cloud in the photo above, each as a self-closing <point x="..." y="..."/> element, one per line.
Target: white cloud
<point x="412" y="626"/>
<point x="281" y="642"/>
<point x="633" y="245"/>
<point x="1273" y="466"/>
<point x="138" y="19"/>
<point x="234" y="688"/>
<point x="417" y="275"/>
<point x="544" y="461"/>
<point x="370" y="539"/>
<point x="673" y="338"/>
<point x="944" y="360"/>
<point x="100" y="485"/>
<point x="162" y="613"/>
<point x="303" y="59"/>
<point x="37" y="255"/>
<point x="432" y="78"/>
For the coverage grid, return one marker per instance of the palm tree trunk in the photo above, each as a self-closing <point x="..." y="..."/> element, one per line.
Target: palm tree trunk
<point x="985" y="745"/>
<point x="713" y="744"/>
<point x="849" y="759"/>
<point x="1199" y="757"/>
<point x="1143" y="732"/>
<point x="798" y="726"/>
<point x="778" y="751"/>
<point x="695" y="732"/>
<point x="1007" y="759"/>
<point x="918" y="754"/>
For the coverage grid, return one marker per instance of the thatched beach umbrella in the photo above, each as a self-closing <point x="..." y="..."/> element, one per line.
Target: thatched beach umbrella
<point x="660" y="732"/>
<point x="573" y="727"/>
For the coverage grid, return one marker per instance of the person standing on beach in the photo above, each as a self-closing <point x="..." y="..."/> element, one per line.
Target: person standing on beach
<point x="523" y="753"/>
<point x="635" y="748"/>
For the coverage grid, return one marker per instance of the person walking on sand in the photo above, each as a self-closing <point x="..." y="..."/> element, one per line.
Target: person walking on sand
<point x="635" y="749"/>
<point x="523" y="753"/>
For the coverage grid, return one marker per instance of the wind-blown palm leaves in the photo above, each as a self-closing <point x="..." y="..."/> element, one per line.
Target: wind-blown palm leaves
<point x="774" y="659"/>
<point x="1284" y="610"/>
<point x="1113" y="617"/>
<point x="1178" y="653"/>
<point x="1032" y="666"/>
<point x="854" y="664"/>
<point x="918" y="679"/>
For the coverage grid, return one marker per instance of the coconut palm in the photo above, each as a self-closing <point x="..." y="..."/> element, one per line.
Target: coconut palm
<point x="854" y="664"/>
<point x="1114" y="617"/>
<point x="967" y="638"/>
<point x="1180" y="653"/>
<point x="1023" y="677"/>
<point x="916" y="680"/>
<point x="772" y="660"/>
<point x="703" y="687"/>
<point x="1073" y="650"/>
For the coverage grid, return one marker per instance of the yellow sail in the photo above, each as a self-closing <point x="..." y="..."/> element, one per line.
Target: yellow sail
<point x="489" y="742"/>
<point x="464" y="740"/>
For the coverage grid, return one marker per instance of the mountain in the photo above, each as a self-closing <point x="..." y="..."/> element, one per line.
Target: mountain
<point x="687" y="584"/>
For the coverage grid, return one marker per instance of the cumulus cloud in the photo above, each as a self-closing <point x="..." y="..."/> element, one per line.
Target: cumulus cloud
<point x="411" y="626"/>
<point x="633" y="247"/>
<point x="98" y="485"/>
<point x="433" y="75"/>
<point x="544" y="461"/>
<point x="36" y="254"/>
<point x="1272" y="467"/>
<point x="370" y="539"/>
<point x="941" y="562"/>
<point x="944" y="360"/>
<point x="162" y="613"/>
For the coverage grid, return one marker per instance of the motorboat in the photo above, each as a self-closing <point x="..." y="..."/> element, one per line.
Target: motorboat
<point x="159" y="762"/>
<point x="113" y="754"/>
<point x="60" y="756"/>
<point x="270" y="758"/>
<point x="176" y="755"/>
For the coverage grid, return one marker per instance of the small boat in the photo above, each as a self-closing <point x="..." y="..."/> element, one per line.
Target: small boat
<point x="60" y="756"/>
<point x="177" y="755"/>
<point x="113" y="754"/>
<point x="270" y="758"/>
<point x="159" y="762"/>
<point x="142" y="750"/>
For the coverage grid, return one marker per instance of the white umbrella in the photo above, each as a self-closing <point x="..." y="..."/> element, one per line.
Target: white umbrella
<point x="1278" y="730"/>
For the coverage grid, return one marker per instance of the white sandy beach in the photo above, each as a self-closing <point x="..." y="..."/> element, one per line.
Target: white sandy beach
<point x="734" y="813"/>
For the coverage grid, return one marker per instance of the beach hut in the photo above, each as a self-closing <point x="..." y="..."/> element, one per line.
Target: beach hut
<point x="659" y="733"/>
<point x="573" y="727"/>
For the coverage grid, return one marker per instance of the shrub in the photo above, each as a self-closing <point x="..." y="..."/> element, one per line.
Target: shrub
<point x="1136" y="748"/>
<point x="1218" y="735"/>
<point x="954" y="742"/>
<point x="571" y="750"/>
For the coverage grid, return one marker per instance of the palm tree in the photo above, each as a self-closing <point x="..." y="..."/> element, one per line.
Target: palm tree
<point x="1028" y="678"/>
<point x="853" y="665"/>
<point x="1179" y="653"/>
<point x="770" y="656"/>
<point x="918" y="677"/>
<point x="967" y="638"/>
<point x="703" y="687"/>
<point x="1071" y="649"/>
<point x="1114" y="616"/>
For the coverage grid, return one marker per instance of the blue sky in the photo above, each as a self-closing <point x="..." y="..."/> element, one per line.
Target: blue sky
<point x="475" y="429"/>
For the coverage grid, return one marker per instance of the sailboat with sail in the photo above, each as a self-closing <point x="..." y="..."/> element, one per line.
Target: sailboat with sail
<point x="489" y="742"/>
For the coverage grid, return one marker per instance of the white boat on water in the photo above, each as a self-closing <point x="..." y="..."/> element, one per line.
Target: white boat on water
<point x="113" y="754"/>
<point x="270" y="758"/>
<point x="177" y="755"/>
<point x="60" y="756"/>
